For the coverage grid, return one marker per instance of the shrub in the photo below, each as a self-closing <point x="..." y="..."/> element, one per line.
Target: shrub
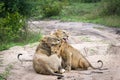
<point x="1" y="5"/>
<point x="85" y="1"/>
<point x="51" y="8"/>
<point x="110" y="7"/>
<point x="11" y="26"/>
<point x="89" y="1"/>
<point x="11" y="6"/>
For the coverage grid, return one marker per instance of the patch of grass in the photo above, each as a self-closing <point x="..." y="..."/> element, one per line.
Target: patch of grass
<point x="99" y="28"/>
<point x="75" y="11"/>
<point x="6" y="73"/>
<point x="93" y="51"/>
<point x="112" y="21"/>
<point x="87" y="12"/>
<point x="86" y="39"/>
<point x="84" y="12"/>
<point x="31" y="38"/>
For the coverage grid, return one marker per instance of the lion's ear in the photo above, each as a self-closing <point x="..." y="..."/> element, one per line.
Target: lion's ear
<point x="44" y="40"/>
<point x="59" y="30"/>
<point x="40" y="39"/>
<point x="52" y="32"/>
<point x="56" y="34"/>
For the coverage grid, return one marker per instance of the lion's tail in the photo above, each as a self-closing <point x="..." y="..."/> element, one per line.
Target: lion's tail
<point x="59" y="75"/>
<point x="21" y="60"/>
<point x="18" y="57"/>
<point x="99" y="61"/>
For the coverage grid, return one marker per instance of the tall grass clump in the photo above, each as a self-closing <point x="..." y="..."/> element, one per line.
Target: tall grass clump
<point x="110" y="7"/>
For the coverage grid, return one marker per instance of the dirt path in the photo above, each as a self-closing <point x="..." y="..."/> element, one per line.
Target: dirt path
<point x="95" y="39"/>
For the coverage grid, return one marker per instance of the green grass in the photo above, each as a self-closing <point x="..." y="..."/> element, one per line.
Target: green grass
<point x="87" y="12"/>
<point x="32" y="37"/>
<point x="6" y="73"/>
<point x="75" y="11"/>
<point x="85" y="38"/>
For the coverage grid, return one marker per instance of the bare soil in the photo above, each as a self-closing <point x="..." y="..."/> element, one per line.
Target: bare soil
<point x="94" y="41"/>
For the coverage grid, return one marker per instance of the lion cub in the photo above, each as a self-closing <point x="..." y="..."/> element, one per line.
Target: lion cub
<point x="72" y="58"/>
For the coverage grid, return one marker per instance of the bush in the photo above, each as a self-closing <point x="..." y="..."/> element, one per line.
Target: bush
<point x="51" y="8"/>
<point x="89" y="1"/>
<point x="21" y="6"/>
<point x="110" y="7"/>
<point x="11" y="27"/>
<point x="1" y="5"/>
<point x="85" y="1"/>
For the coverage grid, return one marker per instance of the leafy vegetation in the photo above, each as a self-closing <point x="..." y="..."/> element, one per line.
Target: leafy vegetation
<point x="23" y="7"/>
<point x="85" y="1"/>
<point x="90" y="12"/>
<point x="4" y="75"/>
<point x="13" y="23"/>
<point x="51" y="8"/>
<point x="11" y="27"/>
<point x="30" y="38"/>
<point x="89" y="1"/>
<point x="110" y="7"/>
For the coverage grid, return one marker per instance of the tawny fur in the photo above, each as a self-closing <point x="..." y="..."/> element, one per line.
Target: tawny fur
<point x="72" y="58"/>
<point x="43" y="64"/>
<point x="45" y="44"/>
<point x="43" y="61"/>
<point x="60" y="34"/>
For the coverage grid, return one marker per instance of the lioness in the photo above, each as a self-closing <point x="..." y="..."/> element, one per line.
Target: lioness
<point x="43" y="47"/>
<point x="72" y="58"/>
<point x="43" y="59"/>
<point x="45" y="44"/>
<point x="44" y="64"/>
<point x="61" y="34"/>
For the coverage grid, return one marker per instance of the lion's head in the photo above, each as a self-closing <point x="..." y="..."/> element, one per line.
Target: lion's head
<point x="50" y="40"/>
<point x="62" y="34"/>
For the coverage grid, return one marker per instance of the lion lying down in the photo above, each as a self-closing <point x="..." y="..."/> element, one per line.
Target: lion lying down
<point x="43" y="64"/>
<point x="72" y="58"/>
<point x="43" y="61"/>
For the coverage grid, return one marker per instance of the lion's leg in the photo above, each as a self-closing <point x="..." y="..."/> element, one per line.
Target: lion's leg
<point x="68" y="62"/>
<point x="82" y="65"/>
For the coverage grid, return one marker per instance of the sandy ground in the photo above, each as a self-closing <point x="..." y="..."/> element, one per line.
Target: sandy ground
<point x="92" y="40"/>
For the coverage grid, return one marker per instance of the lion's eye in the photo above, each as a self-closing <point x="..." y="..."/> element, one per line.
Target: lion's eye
<point x="59" y="46"/>
<point x="52" y="44"/>
<point x="64" y="32"/>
